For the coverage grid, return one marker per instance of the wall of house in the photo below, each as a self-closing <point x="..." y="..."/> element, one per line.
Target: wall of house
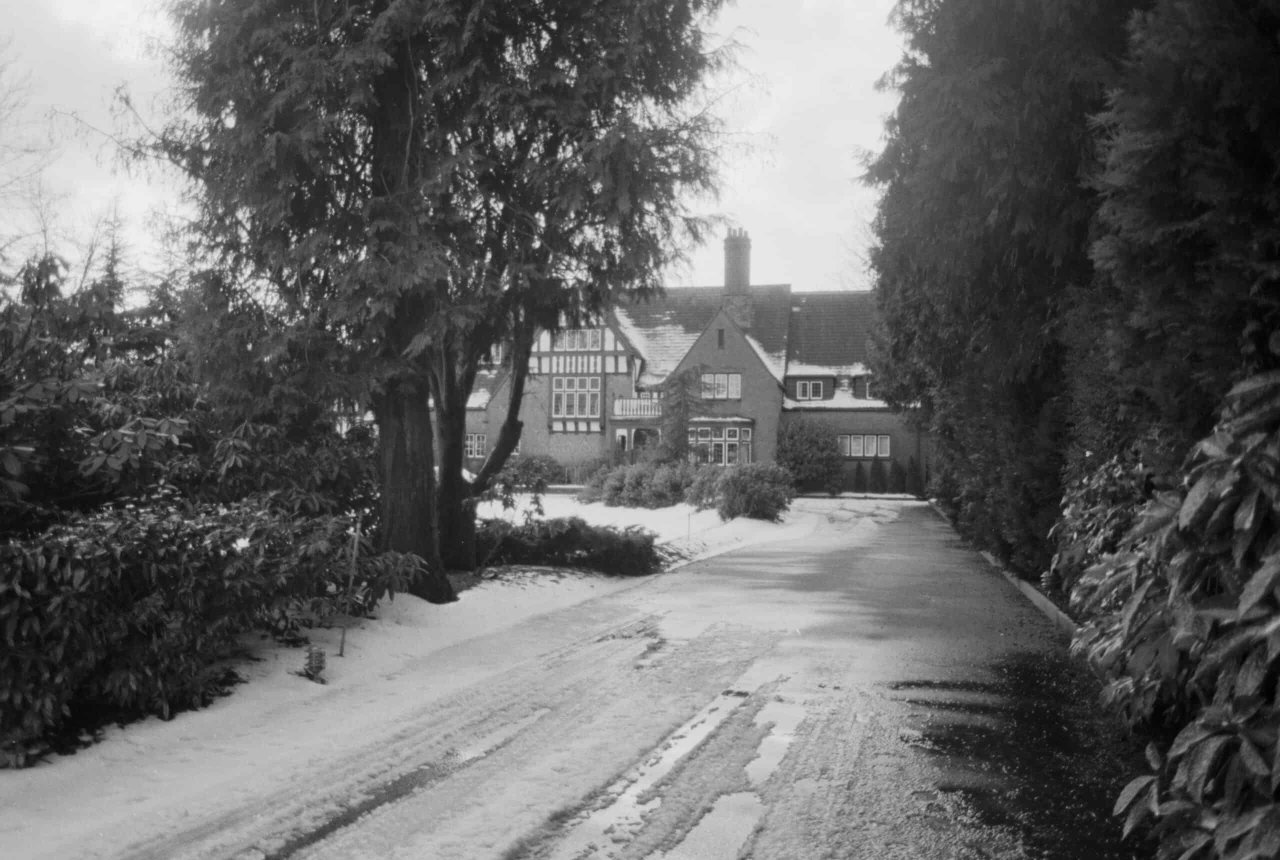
<point x="761" y="392"/>
<point x="905" y="443"/>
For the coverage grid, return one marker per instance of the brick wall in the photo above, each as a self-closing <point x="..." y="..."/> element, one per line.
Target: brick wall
<point x="761" y="393"/>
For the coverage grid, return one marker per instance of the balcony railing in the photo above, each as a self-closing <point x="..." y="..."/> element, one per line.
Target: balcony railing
<point x="636" y="407"/>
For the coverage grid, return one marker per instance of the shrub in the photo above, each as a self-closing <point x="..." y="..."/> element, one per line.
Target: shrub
<point x="1183" y="619"/>
<point x="810" y="451"/>
<point x="667" y="484"/>
<point x="877" y="482"/>
<point x="529" y="475"/>
<point x="593" y="488"/>
<point x="635" y="479"/>
<point x="761" y="491"/>
<point x="127" y="613"/>
<point x="703" y="491"/>
<point x="897" y="478"/>
<point x="1098" y="510"/>
<point x="569" y="542"/>
<point x="645" y="484"/>
<point x="915" y="480"/>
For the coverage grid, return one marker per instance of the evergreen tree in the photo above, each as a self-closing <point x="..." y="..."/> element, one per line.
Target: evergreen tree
<point x="418" y="181"/>
<point x="981" y="233"/>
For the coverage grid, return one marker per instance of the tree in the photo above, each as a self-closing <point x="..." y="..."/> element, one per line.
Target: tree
<point x="681" y="401"/>
<point x="982" y="233"/>
<point x="570" y="195"/>
<point x="809" y="450"/>
<point x="418" y="181"/>
<point x="1188" y="236"/>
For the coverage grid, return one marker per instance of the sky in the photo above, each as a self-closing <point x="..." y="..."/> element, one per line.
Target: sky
<point x="801" y="109"/>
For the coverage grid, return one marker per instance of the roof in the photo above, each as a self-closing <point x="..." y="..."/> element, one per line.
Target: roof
<point x="664" y="327"/>
<point x="828" y="333"/>
<point x="841" y="400"/>
<point x="486" y="385"/>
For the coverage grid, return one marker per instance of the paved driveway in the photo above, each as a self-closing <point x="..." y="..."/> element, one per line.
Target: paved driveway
<point x="873" y="691"/>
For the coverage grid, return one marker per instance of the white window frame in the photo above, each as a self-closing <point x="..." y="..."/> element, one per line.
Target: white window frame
<point x="809" y="390"/>
<point x="719" y="445"/>
<point x="579" y="340"/>
<point x="575" y="397"/>
<point x="474" y="446"/>
<point x="722" y="386"/>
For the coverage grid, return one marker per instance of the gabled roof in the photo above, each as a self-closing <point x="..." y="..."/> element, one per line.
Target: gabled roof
<point x="828" y="333"/>
<point x="665" y="327"/>
<point x="486" y="385"/>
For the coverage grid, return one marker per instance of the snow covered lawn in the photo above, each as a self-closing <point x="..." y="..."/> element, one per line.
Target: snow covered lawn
<point x="154" y="777"/>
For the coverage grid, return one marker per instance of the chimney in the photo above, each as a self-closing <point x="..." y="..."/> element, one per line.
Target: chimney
<point x="737" y="278"/>
<point x="737" y="263"/>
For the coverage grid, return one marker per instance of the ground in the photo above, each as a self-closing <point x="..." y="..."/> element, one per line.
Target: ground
<point x="853" y="682"/>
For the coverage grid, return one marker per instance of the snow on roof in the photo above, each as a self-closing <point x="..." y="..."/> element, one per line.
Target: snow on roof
<point x="663" y="328"/>
<point x="828" y="333"/>
<point x="799" y="368"/>
<point x="775" y="361"/>
<point x="841" y="400"/>
<point x="487" y="382"/>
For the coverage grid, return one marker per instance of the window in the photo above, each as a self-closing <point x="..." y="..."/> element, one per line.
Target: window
<point x="578" y="340"/>
<point x="808" y="391"/>
<point x="475" y="445"/>
<point x="867" y="394"/>
<point x="720" y="338"/>
<point x="575" y="397"/>
<point x="863" y="446"/>
<point x="722" y="386"/>
<point x="720" y="446"/>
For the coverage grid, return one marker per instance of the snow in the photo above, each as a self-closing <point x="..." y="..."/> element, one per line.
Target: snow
<point x="775" y="362"/>
<point x="800" y="368"/>
<point x="154" y="778"/>
<point x="840" y="400"/>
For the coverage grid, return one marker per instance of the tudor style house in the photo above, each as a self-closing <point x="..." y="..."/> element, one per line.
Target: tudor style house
<point x="765" y="355"/>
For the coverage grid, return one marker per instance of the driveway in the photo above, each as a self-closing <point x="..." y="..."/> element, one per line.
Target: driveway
<point x="874" y="690"/>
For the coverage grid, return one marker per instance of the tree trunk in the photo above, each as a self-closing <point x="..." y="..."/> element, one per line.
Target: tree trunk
<point x="408" y="485"/>
<point x="455" y="508"/>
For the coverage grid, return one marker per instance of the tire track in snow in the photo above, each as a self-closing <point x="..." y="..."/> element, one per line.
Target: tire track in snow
<point x="427" y="745"/>
<point x="596" y="727"/>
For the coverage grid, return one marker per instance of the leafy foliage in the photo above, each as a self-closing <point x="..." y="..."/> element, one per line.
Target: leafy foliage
<point x="809" y="450"/>
<point x="1184" y="619"/>
<point x="570" y="542"/>
<point x="647" y="484"/>
<point x="129" y="611"/>
<point x="760" y="491"/>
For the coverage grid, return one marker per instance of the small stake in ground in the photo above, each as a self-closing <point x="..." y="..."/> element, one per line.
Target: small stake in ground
<point x="351" y="579"/>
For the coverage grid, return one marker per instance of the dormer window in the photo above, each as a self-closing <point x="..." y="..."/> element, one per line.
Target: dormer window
<point x="806" y="390"/>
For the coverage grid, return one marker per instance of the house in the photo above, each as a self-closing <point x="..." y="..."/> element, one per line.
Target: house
<point x="761" y="356"/>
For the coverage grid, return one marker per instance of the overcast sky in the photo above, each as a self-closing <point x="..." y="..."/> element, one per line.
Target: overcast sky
<point x="803" y="103"/>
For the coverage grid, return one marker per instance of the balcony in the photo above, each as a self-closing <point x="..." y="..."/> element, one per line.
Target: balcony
<point x="636" y="407"/>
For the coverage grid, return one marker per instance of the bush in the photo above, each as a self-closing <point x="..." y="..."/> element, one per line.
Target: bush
<point x="761" y="491"/>
<point x="128" y="612"/>
<point x="877" y="482"/>
<point x="524" y="475"/>
<point x="641" y="485"/>
<point x="1182" y="619"/>
<point x="810" y="451"/>
<point x="569" y="542"/>
<point x="915" y="480"/>
<point x="703" y="491"/>
<point x="897" y="478"/>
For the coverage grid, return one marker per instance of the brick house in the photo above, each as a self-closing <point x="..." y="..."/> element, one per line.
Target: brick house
<point x="764" y="355"/>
